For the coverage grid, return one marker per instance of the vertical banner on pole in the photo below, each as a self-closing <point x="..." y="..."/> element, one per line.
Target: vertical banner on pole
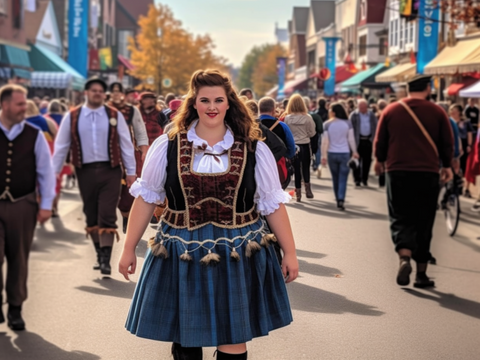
<point x="281" y="69"/>
<point x="330" y="64"/>
<point x="427" y="33"/>
<point x="78" y="35"/>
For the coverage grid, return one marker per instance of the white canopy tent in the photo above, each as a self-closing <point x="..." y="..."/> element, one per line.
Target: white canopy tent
<point x="471" y="92"/>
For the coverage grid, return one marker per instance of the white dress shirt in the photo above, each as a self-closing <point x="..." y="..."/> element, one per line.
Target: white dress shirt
<point x="269" y="194"/>
<point x="43" y="161"/>
<point x="93" y="126"/>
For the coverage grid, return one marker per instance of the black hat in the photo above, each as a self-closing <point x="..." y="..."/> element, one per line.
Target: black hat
<point x="419" y="82"/>
<point x="95" y="80"/>
<point x="147" y="95"/>
<point x="116" y="84"/>
<point x="129" y="91"/>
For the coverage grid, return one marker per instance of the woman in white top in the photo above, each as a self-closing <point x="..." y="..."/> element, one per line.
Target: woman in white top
<point x="218" y="178"/>
<point x="338" y="143"/>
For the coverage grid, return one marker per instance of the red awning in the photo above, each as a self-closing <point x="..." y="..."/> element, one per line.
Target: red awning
<point x="125" y="62"/>
<point x="343" y="73"/>
<point x="294" y="85"/>
<point x="454" y="88"/>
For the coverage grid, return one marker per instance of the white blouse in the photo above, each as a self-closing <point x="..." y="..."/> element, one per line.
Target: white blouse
<point x="269" y="194"/>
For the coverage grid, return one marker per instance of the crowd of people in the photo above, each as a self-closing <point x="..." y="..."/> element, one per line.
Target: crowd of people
<point x="185" y="162"/>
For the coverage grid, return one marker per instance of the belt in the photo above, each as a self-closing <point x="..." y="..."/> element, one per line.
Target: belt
<point x="99" y="164"/>
<point x="367" y="137"/>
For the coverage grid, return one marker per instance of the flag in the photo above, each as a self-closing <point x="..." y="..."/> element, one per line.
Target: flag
<point x="413" y="59"/>
<point x="105" y="55"/>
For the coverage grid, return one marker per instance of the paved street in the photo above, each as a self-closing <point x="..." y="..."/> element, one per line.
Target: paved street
<point x="346" y="304"/>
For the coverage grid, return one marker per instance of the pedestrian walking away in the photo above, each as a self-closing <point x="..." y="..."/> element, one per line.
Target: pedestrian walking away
<point x="322" y="112"/>
<point x="303" y="129"/>
<point x="99" y="142"/>
<point x="337" y="145"/>
<point x="414" y="136"/>
<point x="364" y="124"/>
<point x="210" y="160"/>
<point x="138" y="135"/>
<point x="25" y="162"/>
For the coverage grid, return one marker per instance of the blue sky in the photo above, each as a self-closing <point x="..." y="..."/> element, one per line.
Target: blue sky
<point x="235" y="25"/>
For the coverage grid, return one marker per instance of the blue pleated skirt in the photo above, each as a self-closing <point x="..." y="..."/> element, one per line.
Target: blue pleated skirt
<point x="195" y="305"/>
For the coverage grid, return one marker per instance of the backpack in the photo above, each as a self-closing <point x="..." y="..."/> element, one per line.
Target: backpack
<point x="284" y="166"/>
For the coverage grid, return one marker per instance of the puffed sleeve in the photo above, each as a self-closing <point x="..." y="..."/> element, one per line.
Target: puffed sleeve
<point x="269" y="194"/>
<point x="154" y="174"/>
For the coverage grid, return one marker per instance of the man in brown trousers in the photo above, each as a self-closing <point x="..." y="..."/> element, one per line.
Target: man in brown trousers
<point x="24" y="162"/>
<point x="99" y="142"/>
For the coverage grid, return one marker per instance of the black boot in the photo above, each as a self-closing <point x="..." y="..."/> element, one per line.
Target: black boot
<point x="224" y="356"/>
<point x="186" y="353"/>
<point x="96" y="266"/>
<point x="422" y="281"/>
<point x="125" y="223"/>
<point x="106" y="254"/>
<point x="15" y="320"/>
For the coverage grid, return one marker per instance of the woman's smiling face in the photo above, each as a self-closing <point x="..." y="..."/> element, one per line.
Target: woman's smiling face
<point x="212" y="105"/>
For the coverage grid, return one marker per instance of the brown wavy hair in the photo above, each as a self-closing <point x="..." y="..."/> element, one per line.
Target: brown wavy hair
<point x="244" y="127"/>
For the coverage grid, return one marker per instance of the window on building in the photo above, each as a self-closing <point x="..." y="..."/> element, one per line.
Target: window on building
<point x="382" y="46"/>
<point x="321" y="62"/>
<point x="17" y="14"/>
<point x="411" y="33"/>
<point x="123" y="36"/>
<point x="392" y="32"/>
<point x="396" y="33"/>
<point x="3" y="7"/>
<point x="362" y="50"/>
<point x="363" y="10"/>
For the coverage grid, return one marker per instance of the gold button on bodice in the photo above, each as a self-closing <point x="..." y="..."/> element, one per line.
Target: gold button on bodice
<point x="7" y="180"/>
<point x="10" y="144"/>
<point x="9" y="152"/>
<point x="8" y="172"/>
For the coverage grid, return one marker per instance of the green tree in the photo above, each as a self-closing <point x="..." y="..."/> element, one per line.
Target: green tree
<point x="259" y="68"/>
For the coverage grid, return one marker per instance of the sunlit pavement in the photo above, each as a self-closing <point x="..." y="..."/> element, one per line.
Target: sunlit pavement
<point x="346" y="304"/>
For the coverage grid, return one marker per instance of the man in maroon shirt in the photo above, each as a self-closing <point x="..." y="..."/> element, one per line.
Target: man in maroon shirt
<point x="413" y="174"/>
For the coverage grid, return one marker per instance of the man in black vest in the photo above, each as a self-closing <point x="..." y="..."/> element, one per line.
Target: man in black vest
<point x="24" y="162"/>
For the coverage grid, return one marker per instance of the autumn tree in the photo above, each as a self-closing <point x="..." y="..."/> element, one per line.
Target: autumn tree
<point x="163" y="49"/>
<point x="259" y="68"/>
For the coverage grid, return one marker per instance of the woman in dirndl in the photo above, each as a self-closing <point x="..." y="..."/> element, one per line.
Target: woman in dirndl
<point x="211" y="276"/>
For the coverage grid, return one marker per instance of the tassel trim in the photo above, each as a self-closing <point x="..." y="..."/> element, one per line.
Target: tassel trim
<point x="252" y="248"/>
<point x="210" y="259"/>
<point x="158" y="249"/>
<point x="90" y="230"/>
<point x="268" y="239"/>
<point x="185" y="256"/>
<point x="110" y="231"/>
<point x="235" y="255"/>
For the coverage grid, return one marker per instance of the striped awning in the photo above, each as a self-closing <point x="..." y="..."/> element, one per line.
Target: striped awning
<point x="51" y="80"/>
<point x="464" y="57"/>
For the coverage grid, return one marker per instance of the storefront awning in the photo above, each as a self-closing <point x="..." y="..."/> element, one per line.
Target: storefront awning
<point x="125" y="62"/>
<point x="365" y="78"/>
<point x="17" y="59"/>
<point x="398" y="73"/>
<point x="454" y="88"/>
<point x="472" y="91"/>
<point x="462" y="58"/>
<point x="296" y="84"/>
<point x="45" y="61"/>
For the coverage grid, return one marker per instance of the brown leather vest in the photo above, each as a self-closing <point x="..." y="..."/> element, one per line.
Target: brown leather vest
<point x="114" y="151"/>
<point x="18" y="169"/>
